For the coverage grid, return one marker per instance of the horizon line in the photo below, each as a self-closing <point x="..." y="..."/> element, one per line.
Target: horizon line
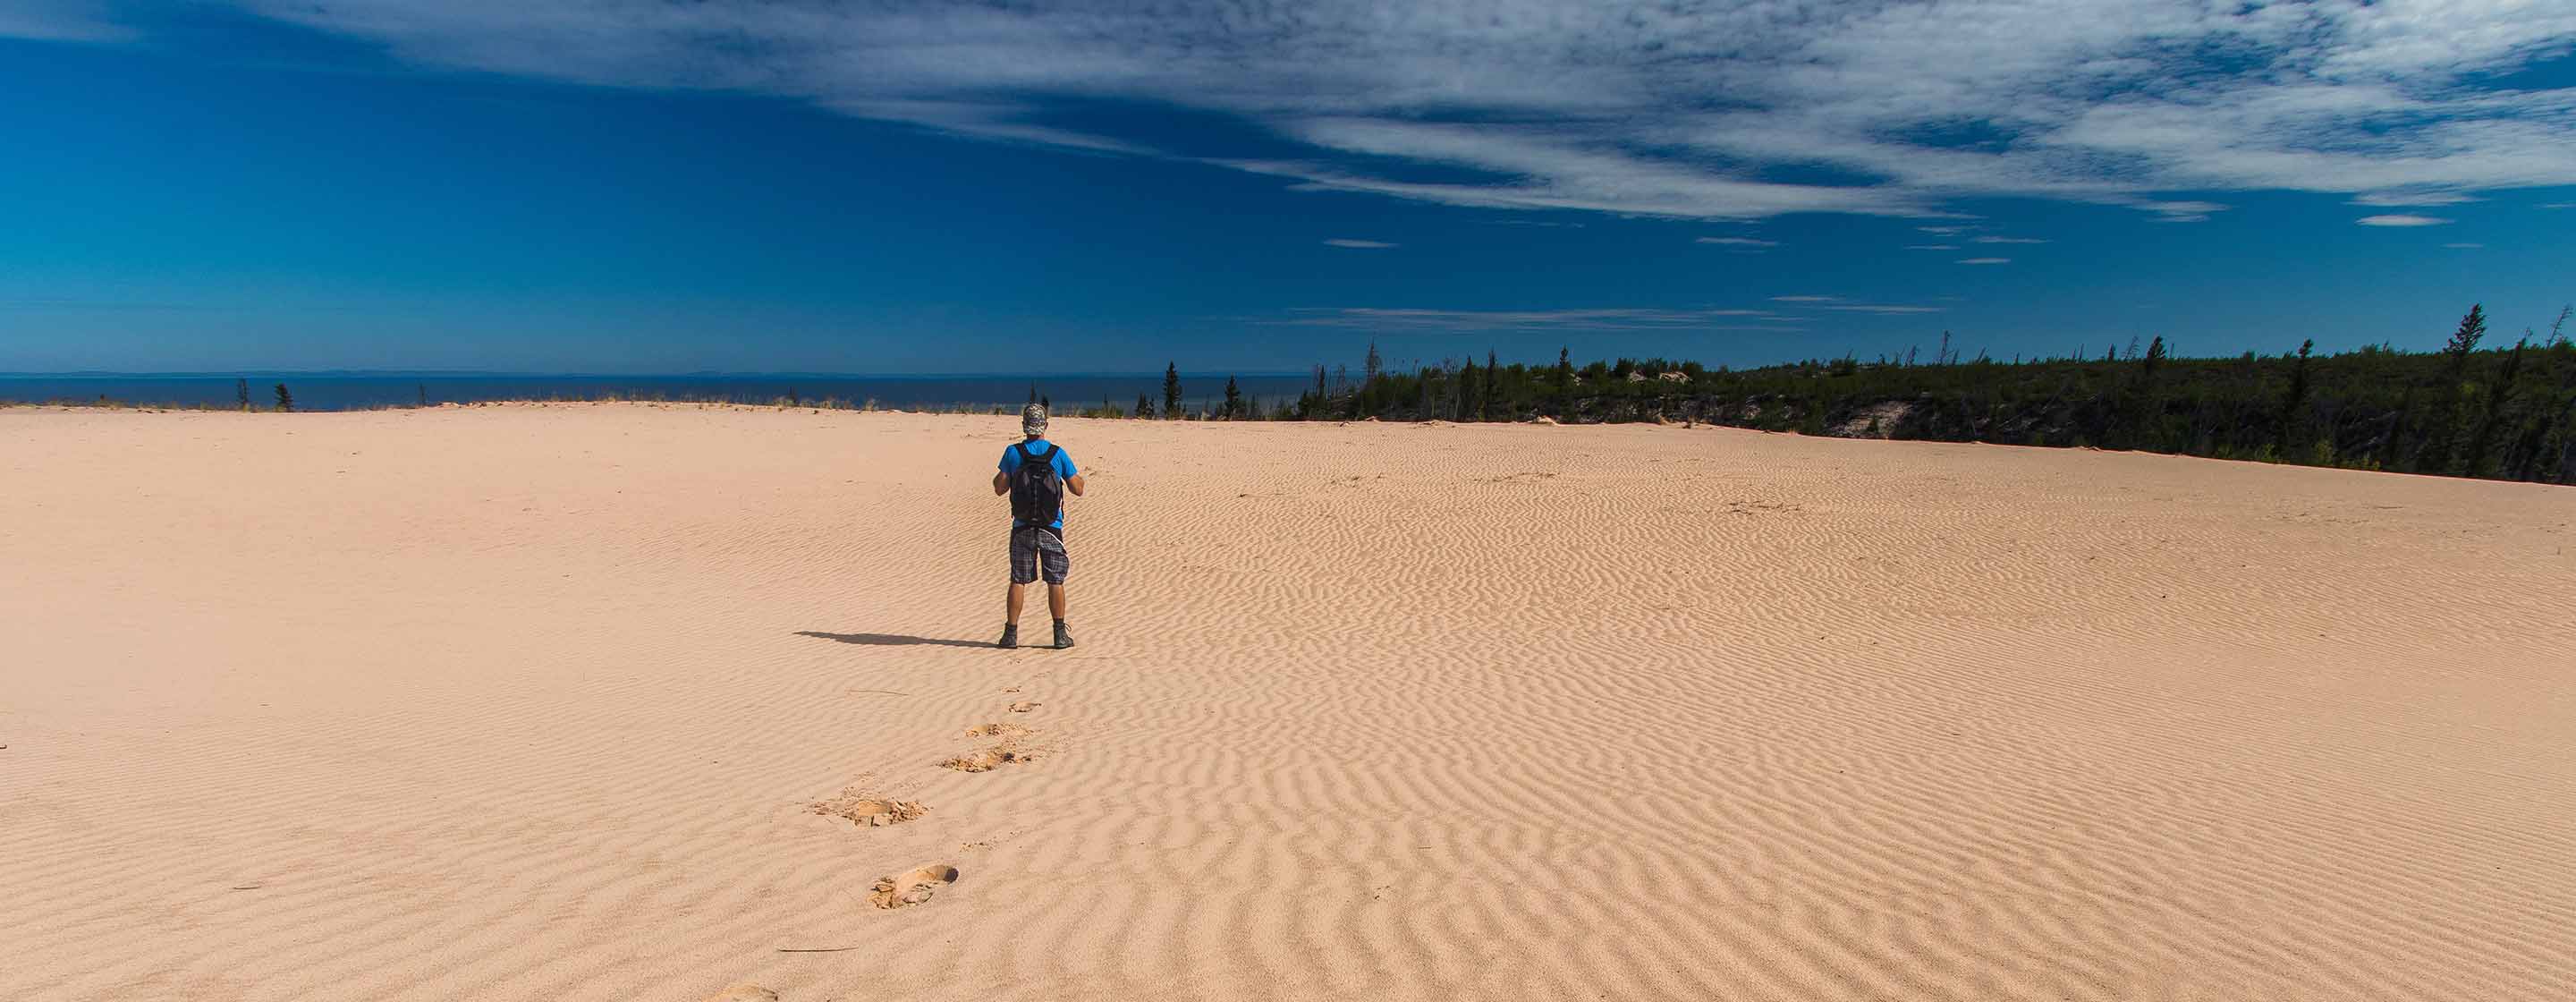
<point x="539" y="374"/>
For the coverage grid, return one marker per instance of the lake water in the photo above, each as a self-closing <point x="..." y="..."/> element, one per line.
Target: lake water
<point x="338" y="392"/>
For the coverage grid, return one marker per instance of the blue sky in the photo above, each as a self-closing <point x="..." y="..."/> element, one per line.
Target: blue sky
<point x="638" y="186"/>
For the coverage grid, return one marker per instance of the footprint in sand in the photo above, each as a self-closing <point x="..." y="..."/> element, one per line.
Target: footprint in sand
<point x="868" y="810"/>
<point x="1024" y="706"/>
<point x="997" y="731"/>
<point x="912" y="888"/>
<point x="744" y="993"/>
<point x="990" y="759"/>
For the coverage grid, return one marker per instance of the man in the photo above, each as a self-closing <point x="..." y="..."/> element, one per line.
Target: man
<point x="1035" y="473"/>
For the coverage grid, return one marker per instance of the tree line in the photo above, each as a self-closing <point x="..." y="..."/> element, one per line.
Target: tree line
<point x="2475" y="408"/>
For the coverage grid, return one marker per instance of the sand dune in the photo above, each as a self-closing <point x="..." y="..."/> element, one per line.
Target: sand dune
<point x="596" y="702"/>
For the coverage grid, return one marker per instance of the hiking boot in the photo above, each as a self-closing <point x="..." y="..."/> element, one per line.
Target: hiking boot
<point x="1063" y="637"/>
<point x="1010" y="636"/>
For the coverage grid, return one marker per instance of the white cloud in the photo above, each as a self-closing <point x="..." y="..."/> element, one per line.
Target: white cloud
<point x="2398" y="199"/>
<point x="60" y="21"/>
<point x="1985" y="260"/>
<point x="1806" y="299"/>
<point x="2401" y="219"/>
<point x="1738" y="242"/>
<point x="1358" y="244"/>
<point x="1932" y="247"/>
<point x="1376" y="318"/>
<point x="1640" y="107"/>
<point x="2009" y="240"/>
<point x="2463" y="246"/>
<point x="1887" y="310"/>
<point x="2559" y="205"/>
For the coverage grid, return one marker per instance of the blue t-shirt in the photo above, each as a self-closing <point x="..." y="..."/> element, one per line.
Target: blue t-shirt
<point x="1063" y="469"/>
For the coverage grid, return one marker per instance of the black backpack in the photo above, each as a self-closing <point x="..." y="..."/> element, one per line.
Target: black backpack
<point x="1037" y="494"/>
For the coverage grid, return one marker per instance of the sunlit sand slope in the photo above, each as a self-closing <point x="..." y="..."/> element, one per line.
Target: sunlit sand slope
<point x="642" y="702"/>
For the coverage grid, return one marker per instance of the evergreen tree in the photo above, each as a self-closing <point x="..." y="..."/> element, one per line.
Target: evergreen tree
<point x="1372" y="367"/>
<point x="2473" y="459"/>
<point x="1485" y="402"/>
<point x="241" y="392"/>
<point x="1172" y="390"/>
<point x="285" y="400"/>
<point x="2399" y="422"/>
<point x="2465" y="339"/>
<point x="1467" y="386"/>
<point x="1564" y="381"/>
<point x="1033" y="393"/>
<point x="2298" y="395"/>
<point x="1233" y="400"/>
<point x="1144" y="407"/>
<point x="423" y="390"/>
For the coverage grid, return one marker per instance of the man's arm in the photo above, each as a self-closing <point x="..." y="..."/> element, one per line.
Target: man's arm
<point x="1002" y="483"/>
<point x="1075" y="482"/>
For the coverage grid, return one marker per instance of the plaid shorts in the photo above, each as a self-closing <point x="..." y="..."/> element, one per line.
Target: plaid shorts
<point x="1034" y="548"/>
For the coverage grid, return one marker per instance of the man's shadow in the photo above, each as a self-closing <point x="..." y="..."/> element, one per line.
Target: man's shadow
<point x="889" y="639"/>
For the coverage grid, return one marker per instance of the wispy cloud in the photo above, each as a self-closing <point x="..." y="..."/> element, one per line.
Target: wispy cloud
<point x="1806" y="299"/>
<point x="1945" y="230"/>
<point x="2009" y="240"/>
<point x="2395" y="199"/>
<point x="1638" y="107"/>
<point x="1358" y="244"/>
<point x="1377" y="318"/>
<point x="1985" y="260"/>
<point x="2401" y="219"/>
<point x="2464" y="246"/>
<point x="61" y="21"/>
<point x="1738" y="242"/>
<point x="2558" y="205"/>
<point x="1884" y="309"/>
<point x="1932" y="247"/>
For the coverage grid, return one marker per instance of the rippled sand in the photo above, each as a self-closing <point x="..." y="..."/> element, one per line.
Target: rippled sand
<point x="639" y="702"/>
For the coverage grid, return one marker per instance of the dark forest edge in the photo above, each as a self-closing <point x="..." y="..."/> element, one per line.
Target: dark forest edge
<point x="2467" y="410"/>
<point x="2505" y="413"/>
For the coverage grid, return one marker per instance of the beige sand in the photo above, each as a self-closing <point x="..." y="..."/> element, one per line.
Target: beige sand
<point x="539" y="703"/>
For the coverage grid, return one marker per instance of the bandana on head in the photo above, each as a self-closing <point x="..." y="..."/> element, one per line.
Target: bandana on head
<point x="1033" y="420"/>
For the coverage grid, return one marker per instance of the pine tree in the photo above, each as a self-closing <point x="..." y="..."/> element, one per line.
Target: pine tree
<point x="1171" y="390"/>
<point x="2298" y="395"/>
<point x="2499" y="393"/>
<point x="2465" y="340"/>
<point x="285" y="400"/>
<point x="1233" y="400"/>
<point x="423" y="390"/>
<point x="1485" y="408"/>
<point x="1033" y="393"/>
<point x="1144" y="407"/>
<point x="241" y="392"/>
<point x="1372" y="367"/>
<point x="1564" y="380"/>
<point x="1467" y="390"/>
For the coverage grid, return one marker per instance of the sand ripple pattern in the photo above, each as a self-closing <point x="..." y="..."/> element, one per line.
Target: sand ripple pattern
<point x="537" y="702"/>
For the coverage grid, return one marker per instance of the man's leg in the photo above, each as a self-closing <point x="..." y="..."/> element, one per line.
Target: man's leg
<point x="1055" y="603"/>
<point x="1057" y="565"/>
<point x="1020" y="597"/>
<point x="1023" y="570"/>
